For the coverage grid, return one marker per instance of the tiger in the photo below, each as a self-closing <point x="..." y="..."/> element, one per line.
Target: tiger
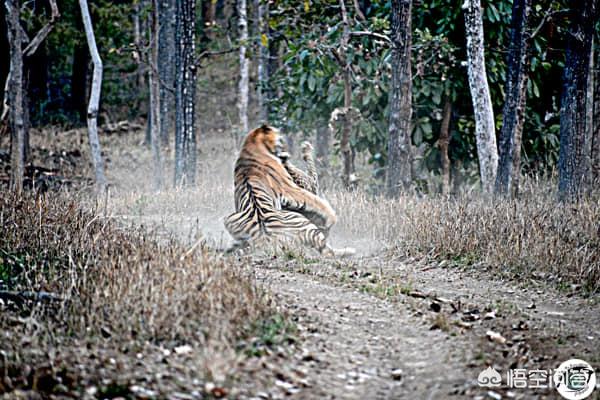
<point x="308" y="180"/>
<point x="269" y="203"/>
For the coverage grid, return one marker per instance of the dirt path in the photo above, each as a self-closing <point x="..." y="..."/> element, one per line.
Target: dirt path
<point x="356" y="346"/>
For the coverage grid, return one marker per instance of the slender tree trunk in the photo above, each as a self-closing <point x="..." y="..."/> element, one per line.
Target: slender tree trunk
<point x="480" y="94"/>
<point x="272" y="67"/>
<point x="595" y="167"/>
<point x="509" y="167"/>
<point x="346" y="123"/>
<point x="244" y="66"/>
<point x="165" y="64"/>
<point x="156" y="115"/>
<point x="572" y="159"/>
<point x="262" y="22"/>
<point x="399" y="170"/>
<point x="589" y="121"/>
<point x="185" y="94"/>
<point x="444" y="142"/>
<point x="92" y="111"/>
<point x="15" y="95"/>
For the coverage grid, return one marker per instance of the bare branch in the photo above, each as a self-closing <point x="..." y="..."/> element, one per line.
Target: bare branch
<point x="41" y="35"/>
<point x="372" y="34"/>
<point x="208" y="54"/>
<point x="547" y="17"/>
<point x="359" y="13"/>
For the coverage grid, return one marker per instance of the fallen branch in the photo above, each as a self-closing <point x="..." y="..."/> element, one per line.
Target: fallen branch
<point x="23" y="296"/>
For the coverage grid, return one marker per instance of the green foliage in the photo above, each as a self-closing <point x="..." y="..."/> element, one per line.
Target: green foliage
<point x="312" y="88"/>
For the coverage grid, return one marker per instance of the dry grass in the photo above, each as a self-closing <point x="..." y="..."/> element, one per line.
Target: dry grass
<point x="119" y="284"/>
<point x="534" y="236"/>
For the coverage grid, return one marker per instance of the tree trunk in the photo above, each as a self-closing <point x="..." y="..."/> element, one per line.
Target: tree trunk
<point x="165" y="64"/>
<point x="595" y="167"/>
<point x="480" y="94"/>
<point x="15" y="95"/>
<point x="92" y="111"/>
<point x="509" y="167"/>
<point x="444" y="143"/>
<point x="399" y="170"/>
<point x="272" y="67"/>
<point x="572" y="165"/>
<point x="244" y="65"/>
<point x="346" y="123"/>
<point x="185" y="94"/>
<point x="156" y="115"/>
<point x="589" y="121"/>
<point x="262" y="22"/>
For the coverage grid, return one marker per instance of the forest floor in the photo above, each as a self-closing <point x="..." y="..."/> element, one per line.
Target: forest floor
<point x="372" y="326"/>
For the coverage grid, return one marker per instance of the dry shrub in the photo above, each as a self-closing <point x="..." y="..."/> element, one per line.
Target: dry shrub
<point x="534" y="236"/>
<point x="122" y="281"/>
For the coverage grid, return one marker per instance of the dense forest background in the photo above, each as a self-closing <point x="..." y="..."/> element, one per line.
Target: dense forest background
<point x="297" y="79"/>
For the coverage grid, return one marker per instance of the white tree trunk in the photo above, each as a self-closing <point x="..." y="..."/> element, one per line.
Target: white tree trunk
<point x="485" y="132"/>
<point x="155" y="100"/>
<point x="92" y="111"/>
<point x="243" y="85"/>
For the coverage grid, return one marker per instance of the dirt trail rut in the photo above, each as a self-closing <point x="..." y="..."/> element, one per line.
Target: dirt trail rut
<point x="357" y="346"/>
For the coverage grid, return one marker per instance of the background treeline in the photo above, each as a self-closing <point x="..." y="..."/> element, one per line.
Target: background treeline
<point x="300" y="61"/>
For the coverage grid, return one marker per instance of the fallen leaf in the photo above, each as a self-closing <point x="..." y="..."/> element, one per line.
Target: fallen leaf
<point x="495" y="337"/>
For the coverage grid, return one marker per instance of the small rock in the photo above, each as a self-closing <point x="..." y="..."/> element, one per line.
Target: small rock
<point x="495" y="337"/>
<point x="396" y="374"/>
<point x="185" y="349"/>
<point x="494" y="395"/>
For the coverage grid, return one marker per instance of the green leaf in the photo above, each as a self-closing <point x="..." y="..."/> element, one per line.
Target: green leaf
<point x="311" y="83"/>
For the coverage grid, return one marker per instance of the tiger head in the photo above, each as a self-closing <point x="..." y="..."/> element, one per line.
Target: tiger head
<point x="267" y="138"/>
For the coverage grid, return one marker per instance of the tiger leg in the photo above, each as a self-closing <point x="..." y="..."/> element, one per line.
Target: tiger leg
<point x="294" y="225"/>
<point x="239" y="227"/>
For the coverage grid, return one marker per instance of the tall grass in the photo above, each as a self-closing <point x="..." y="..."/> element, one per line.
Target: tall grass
<point x="122" y="281"/>
<point x="533" y="236"/>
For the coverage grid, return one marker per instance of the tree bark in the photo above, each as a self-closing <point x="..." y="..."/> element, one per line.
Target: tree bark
<point x="15" y="95"/>
<point x="509" y="166"/>
<point x="595" y="167"/>
<point x="244" y="66"/>
<point x="589" y="121"/>
<point x="156" y="101"/>
<point x="399" y="170"/>
<point x="262" y="22"/>
<point x="92" y="111"/>
<point x="572" y="159"/>
<point x="346" y="123"/>
<point x="165" y="65"/>
<point x="480" y="94"/>
<point x="444" y="143"/>
<point x="185" y="94"/>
